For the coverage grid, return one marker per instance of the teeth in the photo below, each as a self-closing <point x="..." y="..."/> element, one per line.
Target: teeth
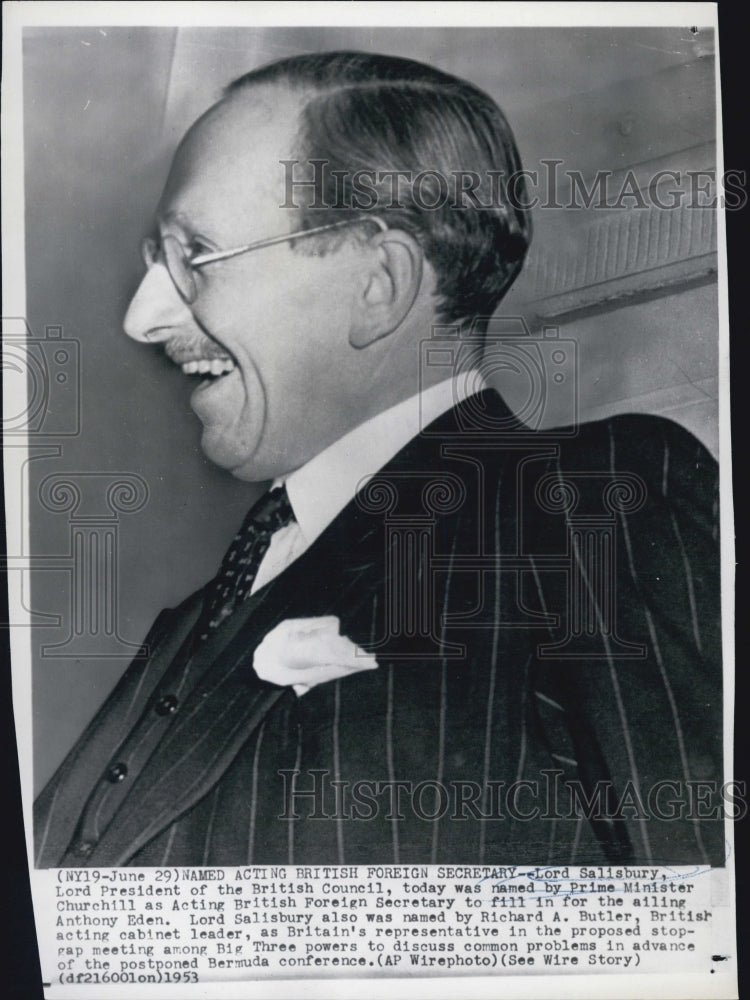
<point x="222" y="366"/>
<point x="206" y="366"/>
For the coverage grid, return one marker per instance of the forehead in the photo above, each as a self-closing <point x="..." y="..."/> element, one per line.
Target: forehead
<point x="230" y="161"/>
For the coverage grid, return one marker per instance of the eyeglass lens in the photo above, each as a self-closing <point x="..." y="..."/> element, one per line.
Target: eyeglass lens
<point x="173" y="254"/>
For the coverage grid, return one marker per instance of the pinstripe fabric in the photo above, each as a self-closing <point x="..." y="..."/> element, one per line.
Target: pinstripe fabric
<point x="491" y="688"/>
<point x="254" y="795"/>
<point x="623" y="720"/>
<point x="390" y="768"/>
<point x="674" y="711"/>
<point x="291" y="822"/>
<point x="338" y="818"/>
<point x="470" y="702"/>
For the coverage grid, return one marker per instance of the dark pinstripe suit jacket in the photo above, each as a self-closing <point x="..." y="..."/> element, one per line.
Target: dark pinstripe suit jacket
<point x="545" y="614"/>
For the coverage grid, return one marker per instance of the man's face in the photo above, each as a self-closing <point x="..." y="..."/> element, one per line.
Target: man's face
<point x="275" y="323"/>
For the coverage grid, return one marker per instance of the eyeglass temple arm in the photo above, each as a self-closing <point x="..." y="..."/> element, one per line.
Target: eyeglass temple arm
<point x="210" y="258"/>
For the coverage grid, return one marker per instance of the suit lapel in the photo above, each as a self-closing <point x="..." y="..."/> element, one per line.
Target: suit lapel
<point x="338" y="574"/>
<point x="60" y="804"/>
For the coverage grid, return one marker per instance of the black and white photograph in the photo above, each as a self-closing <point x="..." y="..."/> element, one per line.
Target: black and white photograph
<point x="367" y="494"/>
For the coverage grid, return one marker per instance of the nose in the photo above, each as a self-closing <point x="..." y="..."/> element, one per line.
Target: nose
<point x="156" y="311"/>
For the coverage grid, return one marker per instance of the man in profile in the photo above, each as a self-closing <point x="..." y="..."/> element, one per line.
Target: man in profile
<point x="440" y="636"/>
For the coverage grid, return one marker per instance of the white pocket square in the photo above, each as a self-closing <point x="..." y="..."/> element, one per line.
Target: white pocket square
<point x="303" y="652"/>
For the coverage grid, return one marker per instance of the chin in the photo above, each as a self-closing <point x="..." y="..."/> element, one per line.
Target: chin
<point x="245" y="468"/>
<point x="222" y="454"/>
<point x="253" y="470"/>
<point x="251" y="466"/>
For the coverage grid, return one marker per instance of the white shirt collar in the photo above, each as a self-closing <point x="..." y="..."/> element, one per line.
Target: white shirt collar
<point x="321" y="488"/>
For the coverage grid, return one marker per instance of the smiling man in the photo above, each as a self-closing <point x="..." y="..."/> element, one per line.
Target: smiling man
<point x="275" y="319"/>
<point x="440" y="635"/>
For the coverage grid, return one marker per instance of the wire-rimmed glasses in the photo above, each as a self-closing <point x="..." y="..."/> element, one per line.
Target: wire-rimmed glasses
<point x="180" y="266"/>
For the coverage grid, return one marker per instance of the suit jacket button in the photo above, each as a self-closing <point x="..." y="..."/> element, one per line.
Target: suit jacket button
<point x="85" y="847"/>
<point x="117" y="772"/>
<point x="166" y="705"/>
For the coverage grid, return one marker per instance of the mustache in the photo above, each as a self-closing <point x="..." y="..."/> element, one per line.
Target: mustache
<point x="199" y="345"/>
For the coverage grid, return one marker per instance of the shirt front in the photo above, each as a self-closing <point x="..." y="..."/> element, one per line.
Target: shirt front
<point x="319" y="490"/>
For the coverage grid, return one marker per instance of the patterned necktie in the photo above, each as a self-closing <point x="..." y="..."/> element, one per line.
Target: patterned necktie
<point x="233" y="582"/>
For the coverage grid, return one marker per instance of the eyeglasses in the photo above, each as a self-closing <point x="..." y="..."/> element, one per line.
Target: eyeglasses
<point x="180" y="266"/>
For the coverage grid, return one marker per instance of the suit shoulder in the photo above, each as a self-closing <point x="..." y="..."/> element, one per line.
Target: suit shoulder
<point x="636" y="441"/>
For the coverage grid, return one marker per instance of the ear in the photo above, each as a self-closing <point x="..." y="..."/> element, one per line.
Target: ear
<point x="391" y="282"/>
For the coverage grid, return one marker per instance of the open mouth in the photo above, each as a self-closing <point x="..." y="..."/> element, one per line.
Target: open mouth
<point x="208" y="361"/>
<point x="213" y="368"/>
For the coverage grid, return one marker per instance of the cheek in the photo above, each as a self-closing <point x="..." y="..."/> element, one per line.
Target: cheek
<point x="281" y="319"/>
